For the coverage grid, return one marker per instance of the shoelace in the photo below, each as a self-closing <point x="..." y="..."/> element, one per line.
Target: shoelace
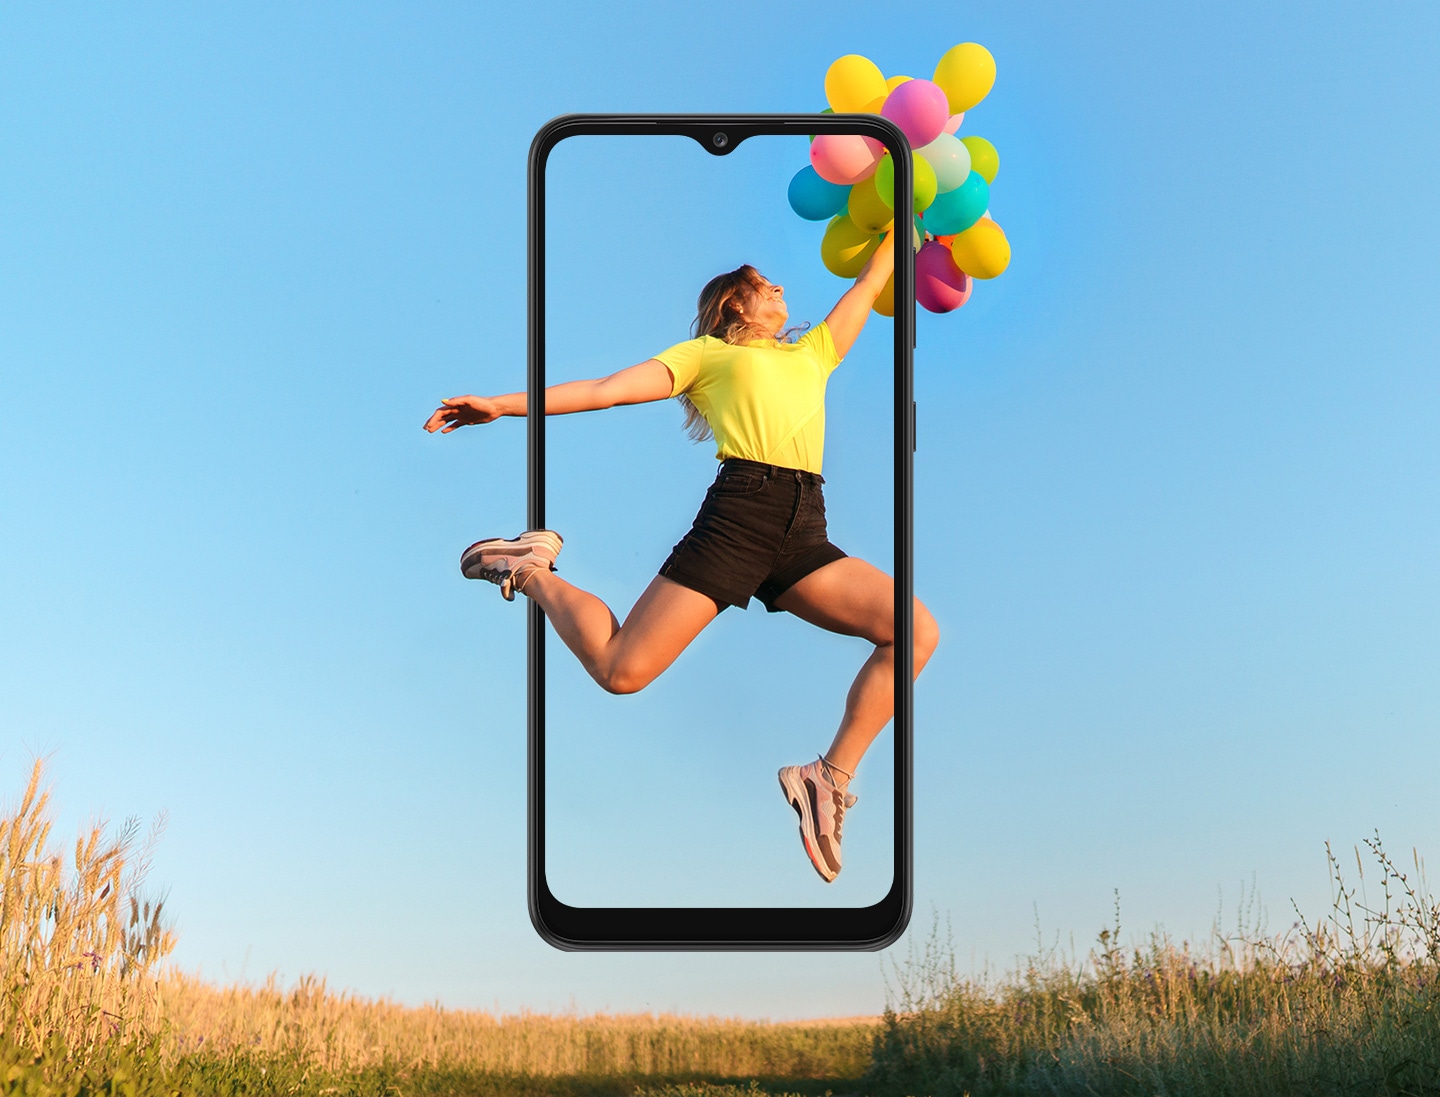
<point x="501" y="576"/>
<point x="518" y="577"/>
<point x="842" y="800"/>
<point x="831" y="769"/>
<point x="494" y="574"/>
<point x="518" y="581"/>
<point x="839" y="797"/>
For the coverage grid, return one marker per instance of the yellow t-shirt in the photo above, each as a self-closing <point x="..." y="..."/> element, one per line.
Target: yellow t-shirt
<point x="765" y="401"/>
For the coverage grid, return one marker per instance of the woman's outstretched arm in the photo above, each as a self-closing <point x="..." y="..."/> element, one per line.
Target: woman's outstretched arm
<point x="641" y="384"/>
<point x="852" y="310"/>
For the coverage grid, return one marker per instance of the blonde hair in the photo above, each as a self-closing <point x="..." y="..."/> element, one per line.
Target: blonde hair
<point x="720" y="312"/>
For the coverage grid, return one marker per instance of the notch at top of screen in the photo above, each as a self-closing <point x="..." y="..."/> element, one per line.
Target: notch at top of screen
<point x="721" y="136"/>
<point x="719" y="141"/>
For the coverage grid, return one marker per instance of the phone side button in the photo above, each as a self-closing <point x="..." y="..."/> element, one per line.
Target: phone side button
<point x="914" y="422"/>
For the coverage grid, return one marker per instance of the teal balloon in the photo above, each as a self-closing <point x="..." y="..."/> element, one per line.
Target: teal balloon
<point x="816" y="199"/>
<point x="956" y="210"/>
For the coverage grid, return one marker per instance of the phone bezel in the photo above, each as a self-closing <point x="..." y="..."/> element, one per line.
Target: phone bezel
<point x="749" y="928"/>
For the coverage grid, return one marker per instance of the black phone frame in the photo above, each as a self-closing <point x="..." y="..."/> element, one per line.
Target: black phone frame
<point x="725" y="928"/>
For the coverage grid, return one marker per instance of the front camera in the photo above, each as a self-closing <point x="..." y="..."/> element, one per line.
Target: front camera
<point x="719" y="140"/>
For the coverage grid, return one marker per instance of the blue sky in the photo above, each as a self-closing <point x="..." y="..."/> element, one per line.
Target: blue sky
<point x="1175" y="503"/>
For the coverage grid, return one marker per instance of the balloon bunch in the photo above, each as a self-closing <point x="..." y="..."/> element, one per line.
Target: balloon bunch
<point x="851" y="179"/>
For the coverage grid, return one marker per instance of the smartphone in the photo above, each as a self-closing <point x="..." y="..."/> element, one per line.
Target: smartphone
<point x="720" y="435"/>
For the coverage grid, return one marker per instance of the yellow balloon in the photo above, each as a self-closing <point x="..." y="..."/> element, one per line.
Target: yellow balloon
<point x="966" y="74"/>
<point x="885" y="303"/>
<point x="867" y="209"/>
<point x="895" y="81"/>
<point x="845" y="248"/>
<point x="981" y="251"/>
<point x="852" y="83"/>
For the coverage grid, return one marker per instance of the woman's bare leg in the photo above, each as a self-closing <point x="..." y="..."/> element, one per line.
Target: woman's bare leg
<point x="623" y="658"/>
<point x="858" y="599"/>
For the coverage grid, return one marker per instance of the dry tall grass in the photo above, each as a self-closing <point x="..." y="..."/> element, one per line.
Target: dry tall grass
<point x="341" y="1032"/>
<point x="81" y="951"/>
<point x="79" y="947"/>
<point x="1349" y="1005"/>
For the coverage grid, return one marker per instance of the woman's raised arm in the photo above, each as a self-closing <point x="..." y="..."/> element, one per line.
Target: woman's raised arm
<point x="641" y="384"/>
<point x="848" y="316"/>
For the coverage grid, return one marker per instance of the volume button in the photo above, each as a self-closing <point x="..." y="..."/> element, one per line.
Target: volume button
<point x="914" y="422"/>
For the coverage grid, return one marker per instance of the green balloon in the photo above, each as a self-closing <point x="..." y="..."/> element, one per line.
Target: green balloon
<point x="885" y="180"/>
<point x="983" y="158"/>
<point x="925" y="183"/>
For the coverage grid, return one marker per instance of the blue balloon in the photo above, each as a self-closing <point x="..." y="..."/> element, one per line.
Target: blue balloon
<point x="816" y="199"/>
<point x="956" y="210"/>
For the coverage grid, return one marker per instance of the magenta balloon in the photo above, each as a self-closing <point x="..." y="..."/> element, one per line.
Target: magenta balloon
<point x="954" y="124"/>
<point x="940" y="286"/>
<point x="844" y="158"/>
<point x="920" y="109"/>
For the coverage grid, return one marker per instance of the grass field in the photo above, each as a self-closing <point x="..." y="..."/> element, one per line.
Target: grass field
<point x="1346" y="1005"/>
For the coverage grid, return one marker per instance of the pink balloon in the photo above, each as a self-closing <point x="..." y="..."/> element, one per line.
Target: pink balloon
<point x="952" y="126"/>
<point x="844" y="158"/>
<point x="920" y="109"/>
<point x="940" y="286"/>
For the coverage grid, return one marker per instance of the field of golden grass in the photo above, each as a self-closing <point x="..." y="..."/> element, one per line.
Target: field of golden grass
<point x="1345" y="1005"/>
<point x="1342" y="1006"/>
<point x="84" y="979"/>
<point x="339" y="1032"/>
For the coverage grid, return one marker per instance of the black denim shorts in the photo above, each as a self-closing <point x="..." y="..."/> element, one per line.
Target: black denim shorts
<point x="759" y="532"/>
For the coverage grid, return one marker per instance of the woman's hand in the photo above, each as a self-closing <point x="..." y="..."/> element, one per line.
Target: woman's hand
<point x="880" y="266"/>
<point x="463" y="411"/>
<point x="848" y="316"/>
<point x="648" y="381"/>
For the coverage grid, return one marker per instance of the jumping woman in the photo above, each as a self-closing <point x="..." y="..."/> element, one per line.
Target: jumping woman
<point x="760" y="532"/>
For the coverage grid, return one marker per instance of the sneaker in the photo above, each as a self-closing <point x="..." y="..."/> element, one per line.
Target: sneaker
<point x="821" y="807"/>
<point x="510" y="563"/>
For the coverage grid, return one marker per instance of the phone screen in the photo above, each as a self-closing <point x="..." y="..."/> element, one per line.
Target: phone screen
<point x="665" y="790"/>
